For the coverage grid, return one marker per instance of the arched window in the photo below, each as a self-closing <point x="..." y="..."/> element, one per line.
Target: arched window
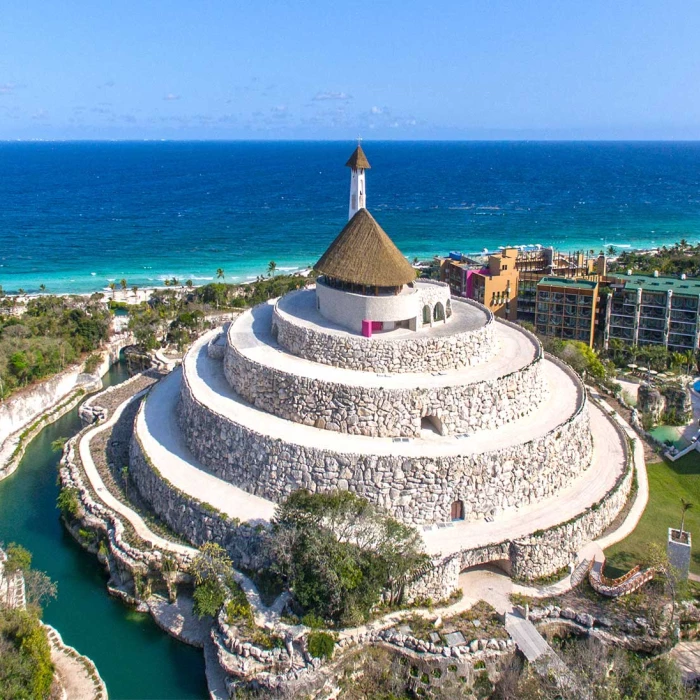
<point x="457" y="510"/>
<point x="426" y="314"/>
<point x="439" y="312"/>
<point x="448" y="308"/>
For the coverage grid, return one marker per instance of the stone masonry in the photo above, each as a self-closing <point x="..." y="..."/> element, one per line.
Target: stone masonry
<point x="415" y="490"/>
<point x="460" y="408"/>
<point x="419" y="353"/>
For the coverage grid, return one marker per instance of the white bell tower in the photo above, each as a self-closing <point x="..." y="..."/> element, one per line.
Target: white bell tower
<point x="357" y="163"/>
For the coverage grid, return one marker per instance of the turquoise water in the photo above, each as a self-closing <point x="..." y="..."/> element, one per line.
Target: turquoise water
<point x="136" y="659"/>
<point x="668" y="432"/>
<point x="75" y="216"/>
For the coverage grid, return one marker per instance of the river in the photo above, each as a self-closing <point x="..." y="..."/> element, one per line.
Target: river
<point x="136" y="659"/>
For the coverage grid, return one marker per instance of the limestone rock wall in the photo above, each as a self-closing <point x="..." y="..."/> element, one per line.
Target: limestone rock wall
<point x="414" y="489"/>
<point x="197" y="522"/>
<point x="385" y="412"/>
<point x="422" y="353"/>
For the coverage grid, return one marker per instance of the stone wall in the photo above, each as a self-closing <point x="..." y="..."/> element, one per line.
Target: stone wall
<point x="376" y="411"/>
<point x="414" y="489"/>
<point x="197" y="522"/>
<point x="419" y="353"/>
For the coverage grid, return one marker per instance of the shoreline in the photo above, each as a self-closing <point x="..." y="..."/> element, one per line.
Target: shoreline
<point x="145" y="291"/>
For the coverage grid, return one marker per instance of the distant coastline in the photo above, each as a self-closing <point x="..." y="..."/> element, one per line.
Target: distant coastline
<point x="76" y="216"/>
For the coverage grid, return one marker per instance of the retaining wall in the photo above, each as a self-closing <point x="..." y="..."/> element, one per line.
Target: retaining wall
<point x="376" y="411"/>
<point x="414" y="489"/>
<point x="421" y="352"/>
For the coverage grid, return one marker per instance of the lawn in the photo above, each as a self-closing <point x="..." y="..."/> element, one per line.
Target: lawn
<point x="668" y="483"/>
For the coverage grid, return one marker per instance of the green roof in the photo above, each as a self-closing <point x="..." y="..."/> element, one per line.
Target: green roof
<point x="568" y="283"/>
<point x="649" y="283"/>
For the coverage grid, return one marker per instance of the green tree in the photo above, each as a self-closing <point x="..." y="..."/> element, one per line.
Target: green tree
<point x="18" y="558"/>
<point x="340" y="554"/>
<point x="135" y="290"/>
<point x="219" y="273"/>
<point x="19" y="366"/>
<point x="113" y="287"/>
<point x="42" y="288"/>
<point x="123" y="284"/>
<point x="271" y="267"/>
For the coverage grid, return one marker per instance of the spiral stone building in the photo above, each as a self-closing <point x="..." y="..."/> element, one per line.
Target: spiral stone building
<point x="374" y="381"/>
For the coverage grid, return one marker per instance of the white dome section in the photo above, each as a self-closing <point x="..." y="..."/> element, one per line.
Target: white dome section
<point x="422" y="304"/>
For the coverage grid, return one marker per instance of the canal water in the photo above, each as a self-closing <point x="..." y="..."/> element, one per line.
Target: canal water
<point x="137" y="660"/>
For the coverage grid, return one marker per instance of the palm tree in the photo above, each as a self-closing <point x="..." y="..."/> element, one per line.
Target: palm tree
<point x="271" y="267"/>
<point x="20" y="291"/>
<point x="42" y="288"/>
<point x="686" y="506"/>
<point x="113" y="287"/>
<point x="189" y="284"/>
<point x="219" y="273"/>
<point x="174" y="282"/>
<point x="135" y="290"/>
<point x="123" y="284"/>
<point x="611" y="250"/>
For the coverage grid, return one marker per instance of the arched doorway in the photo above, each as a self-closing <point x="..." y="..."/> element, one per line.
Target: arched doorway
<point x="439" y="312"/>
<point x="426" y="314"/>
<point x="431" y="423"/>
<point x="457" y="510"/>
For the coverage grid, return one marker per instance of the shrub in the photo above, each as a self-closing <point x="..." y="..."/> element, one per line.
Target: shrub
<point x="208" y="598"/>
<point x="92" y="363"/>
<point x="18" y="558"/>
<point x="321" y="645"/>
<point x="68" y="503"/>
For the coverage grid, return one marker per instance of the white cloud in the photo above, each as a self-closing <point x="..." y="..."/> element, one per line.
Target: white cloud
<point x="376" y="110"/>
<point x="322" y="96"/>
<point x="9" y="88"/>
<point x="171" y="97"/>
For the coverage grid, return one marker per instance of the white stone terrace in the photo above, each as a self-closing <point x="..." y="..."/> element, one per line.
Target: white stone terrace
<point x="607" y="465"/>
<point x="158" y="430"/>
<point x="300" y="309"/>
<point x="250" y="335"/>
<point x="209" y="387"/>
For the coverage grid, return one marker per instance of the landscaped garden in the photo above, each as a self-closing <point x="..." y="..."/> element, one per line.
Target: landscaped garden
<point x="669" y="482"/>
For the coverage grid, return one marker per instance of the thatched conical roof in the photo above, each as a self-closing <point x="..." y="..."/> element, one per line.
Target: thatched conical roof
<point x="358" y="160"/>
<point x="364" y="254"/>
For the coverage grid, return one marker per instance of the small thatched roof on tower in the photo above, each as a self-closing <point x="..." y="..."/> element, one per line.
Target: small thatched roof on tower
<point x="358" y="160"/>
<point x="363" y="254"/>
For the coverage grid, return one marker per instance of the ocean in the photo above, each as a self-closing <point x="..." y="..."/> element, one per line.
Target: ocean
<point x="76" y="215"/>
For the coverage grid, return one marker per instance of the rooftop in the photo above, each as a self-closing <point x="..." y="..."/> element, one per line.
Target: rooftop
<point x="650" y="283"/>
<point x="363" y="254"/>
<point x="568" y="283"/>
<point x="358" y="159"/>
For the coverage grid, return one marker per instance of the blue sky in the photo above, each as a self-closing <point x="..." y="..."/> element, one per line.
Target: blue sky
<point x="464" y="69"/>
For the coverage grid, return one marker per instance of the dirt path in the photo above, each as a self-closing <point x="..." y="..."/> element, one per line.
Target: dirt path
<point x="76" y="673"/>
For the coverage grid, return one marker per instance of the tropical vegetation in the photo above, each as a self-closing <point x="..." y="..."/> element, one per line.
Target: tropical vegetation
<point x="341" y="556"/>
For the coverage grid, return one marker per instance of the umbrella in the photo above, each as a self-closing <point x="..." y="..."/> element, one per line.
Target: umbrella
<point x="643" y="369"/>
<point x="632" y="366"/>
<point x="653" y="371"/>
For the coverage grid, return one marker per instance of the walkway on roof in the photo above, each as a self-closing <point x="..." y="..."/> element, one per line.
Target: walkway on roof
<point x="250" y="335"/>
<point x="209" y="385"/>
<point x="300" y="306"/>
<point x="607" y="465"/>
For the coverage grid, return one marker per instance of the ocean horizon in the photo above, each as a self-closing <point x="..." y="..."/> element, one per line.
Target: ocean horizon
<point x="76" y="215"/>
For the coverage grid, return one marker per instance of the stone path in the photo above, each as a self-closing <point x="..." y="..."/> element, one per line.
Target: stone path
<point x="532" y="644"/>
<point x="209" y="386"/>
<point x="687" y="656"/>
<point x="73" y="670"/>
<point x="607" y="465"/>
<point x="160" y="435"/>
<point x="139" y="525"/>
<point x="251" y="335"/>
